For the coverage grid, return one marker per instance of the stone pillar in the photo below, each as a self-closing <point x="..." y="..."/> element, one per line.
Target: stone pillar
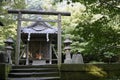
<point x="67" y="49"/>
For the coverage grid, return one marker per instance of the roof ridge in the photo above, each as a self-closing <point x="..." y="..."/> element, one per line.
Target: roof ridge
<point x="42" y="23"/>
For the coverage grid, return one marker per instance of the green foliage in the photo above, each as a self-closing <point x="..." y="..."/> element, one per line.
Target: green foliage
<point x="100" y="30"/>
<point x="9" y="28"/>
<point x="93" y="28"/>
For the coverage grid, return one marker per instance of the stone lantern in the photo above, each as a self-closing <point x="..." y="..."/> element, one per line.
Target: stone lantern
<point x="67" y="49"/>
<point x="9" y="41"/>
<point x="9" y="48"/>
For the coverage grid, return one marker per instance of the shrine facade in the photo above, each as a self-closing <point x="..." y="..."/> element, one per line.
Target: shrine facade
<point x="37" y="35"/>
<point x="40" y="39"/>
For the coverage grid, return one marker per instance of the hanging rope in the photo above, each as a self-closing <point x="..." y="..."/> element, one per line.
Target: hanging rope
<point x="47" y="37"/>
<point x="29" y="36"/>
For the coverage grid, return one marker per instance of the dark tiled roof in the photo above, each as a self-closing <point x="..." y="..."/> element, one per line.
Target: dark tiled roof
<point x="39" y="28"/>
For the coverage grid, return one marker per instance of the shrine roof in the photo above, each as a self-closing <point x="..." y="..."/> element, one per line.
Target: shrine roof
<point x="39" y="28"/>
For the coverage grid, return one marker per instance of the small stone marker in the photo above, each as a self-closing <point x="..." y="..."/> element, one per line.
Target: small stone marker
<point x="74" y="58"/>
<point x="77" y="59"/>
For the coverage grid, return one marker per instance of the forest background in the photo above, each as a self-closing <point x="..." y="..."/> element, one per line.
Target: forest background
<point x="93" y="27"/>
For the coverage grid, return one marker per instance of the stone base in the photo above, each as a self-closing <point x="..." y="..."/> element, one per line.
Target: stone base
<point x="68" y="61"/>
<point x="39" y="62"/>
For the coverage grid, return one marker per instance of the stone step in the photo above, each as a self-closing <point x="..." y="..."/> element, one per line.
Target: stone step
<point x="34" y="70"/>
<point x="41" y="74"/>
<point x="35" y="66"/>
<point x="36" y="78"/>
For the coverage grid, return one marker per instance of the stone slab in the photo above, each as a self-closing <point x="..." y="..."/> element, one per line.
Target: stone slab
<point x="39" y="62"/>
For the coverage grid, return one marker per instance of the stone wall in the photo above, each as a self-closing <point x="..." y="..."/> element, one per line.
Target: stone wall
<point x="90" y="71"/>
<point x="4" y="70"/>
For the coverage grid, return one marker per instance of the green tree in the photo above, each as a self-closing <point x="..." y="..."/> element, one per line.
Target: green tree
<point x="9" y="28"/>
<point x="99" y="29"/>
<point x="93" y="26"/>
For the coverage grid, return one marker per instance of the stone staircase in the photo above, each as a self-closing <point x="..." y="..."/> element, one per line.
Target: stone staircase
<point x="34" y="72"/>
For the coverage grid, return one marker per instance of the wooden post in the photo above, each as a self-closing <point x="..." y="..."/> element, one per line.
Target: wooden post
<point x="27" y="53"/>
<point x="59" y="39"/>
<point x="50" y="50"/>
<point x="18" y="39"/>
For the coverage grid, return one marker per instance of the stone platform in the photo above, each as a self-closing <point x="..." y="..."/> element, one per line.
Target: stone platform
<point x="39" y="62"/>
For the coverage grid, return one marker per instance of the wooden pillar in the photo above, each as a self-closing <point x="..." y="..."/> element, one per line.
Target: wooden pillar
<point x="18" y="39"/>
<point x="59" y="39"/>
<point x="27" y="53"/>
<point x="50" y="48"/>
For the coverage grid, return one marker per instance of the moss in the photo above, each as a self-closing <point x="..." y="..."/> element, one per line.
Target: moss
<point x="89" y="71"/>
<point x="4" y="70"/>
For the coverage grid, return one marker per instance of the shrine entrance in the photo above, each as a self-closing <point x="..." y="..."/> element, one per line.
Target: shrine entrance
<point x="39" y="37"/>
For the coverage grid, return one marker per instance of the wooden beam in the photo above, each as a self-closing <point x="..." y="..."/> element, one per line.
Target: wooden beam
<point x="35" y="20"/>
<point x="38" y="40"/>
<point x="42" y="12"/>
